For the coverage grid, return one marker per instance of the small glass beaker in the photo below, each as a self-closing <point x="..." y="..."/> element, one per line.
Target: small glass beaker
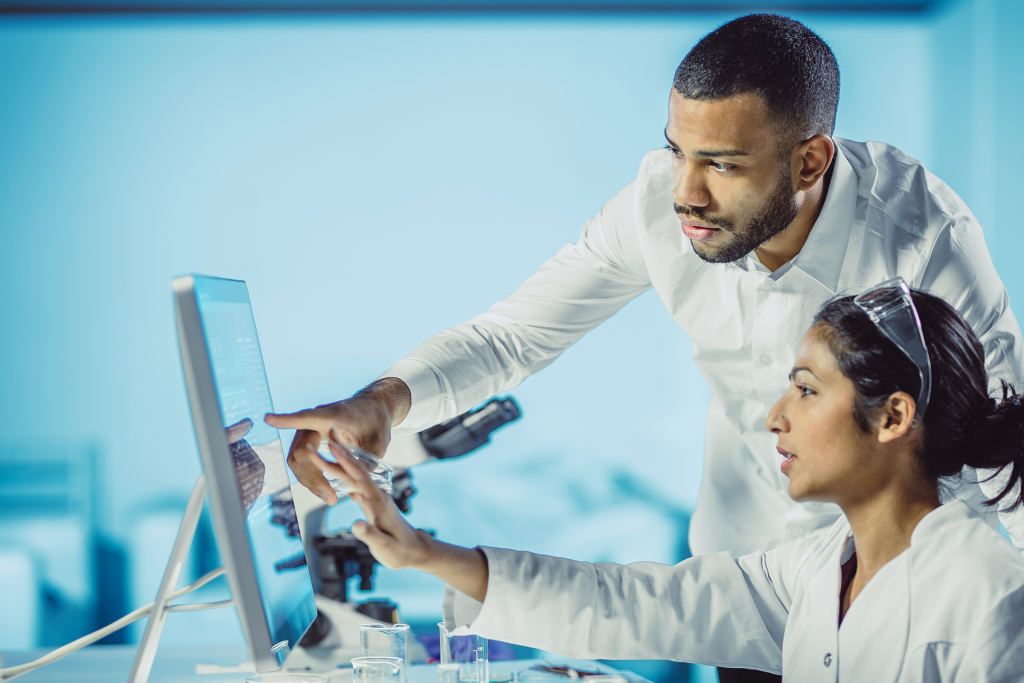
<point x="380" y="472"/>
<point x="469" y="652"/>
<point x="288" y="677"/>
<point x="448" y="673"/>
<point x="376" y="669"/>
<point x="386" y="640"/>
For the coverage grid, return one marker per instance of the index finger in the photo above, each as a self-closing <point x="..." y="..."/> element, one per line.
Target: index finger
<point x="309" y="419"/>
<point x="238" y="430"/>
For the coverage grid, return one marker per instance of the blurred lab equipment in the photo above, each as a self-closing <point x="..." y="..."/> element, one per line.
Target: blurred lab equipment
<point x="456" y="437"/>
<point x="469" y="652"/>
<point x="381" y="640"/>
<point x="544" y="672"/>
<point x="51" y="542"/>
<point x="376" y="670"/>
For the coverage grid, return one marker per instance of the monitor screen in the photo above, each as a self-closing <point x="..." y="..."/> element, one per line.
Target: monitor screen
<point x="264" y="481"/>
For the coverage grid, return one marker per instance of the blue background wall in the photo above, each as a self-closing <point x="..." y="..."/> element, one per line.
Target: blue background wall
<point x="376" y="179"/>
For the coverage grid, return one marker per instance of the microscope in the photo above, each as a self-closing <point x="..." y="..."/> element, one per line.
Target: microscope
<point x="333" y="559"/>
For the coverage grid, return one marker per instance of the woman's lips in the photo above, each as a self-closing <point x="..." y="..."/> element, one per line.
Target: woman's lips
<point x="697" y="233"/>
<point x="789" y="458"/>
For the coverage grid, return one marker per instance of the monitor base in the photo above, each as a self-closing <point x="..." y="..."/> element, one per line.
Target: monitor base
<point x="151" y="639"/>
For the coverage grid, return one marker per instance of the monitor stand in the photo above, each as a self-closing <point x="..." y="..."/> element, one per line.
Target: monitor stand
<point x="147" y="648"/>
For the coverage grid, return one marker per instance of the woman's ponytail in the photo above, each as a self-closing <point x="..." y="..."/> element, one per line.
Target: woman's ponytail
<point x="999" y="445"/>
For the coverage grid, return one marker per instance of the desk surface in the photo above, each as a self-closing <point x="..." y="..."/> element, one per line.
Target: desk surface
<point x="113" y="663"/>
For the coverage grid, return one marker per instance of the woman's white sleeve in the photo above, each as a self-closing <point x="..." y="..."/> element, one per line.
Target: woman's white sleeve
<point x="700" y="610"/>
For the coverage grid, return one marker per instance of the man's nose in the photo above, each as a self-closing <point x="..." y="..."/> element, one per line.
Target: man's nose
<point x="690" y="189"/>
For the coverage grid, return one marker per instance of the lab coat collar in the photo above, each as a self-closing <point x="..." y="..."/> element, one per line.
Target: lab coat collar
<point x="824" y="251"/>
<point x="952" y="511"/>
<point x="885" y="604"/>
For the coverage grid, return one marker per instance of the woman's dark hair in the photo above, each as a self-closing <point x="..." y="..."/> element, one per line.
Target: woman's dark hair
<point x="963" y="425"/>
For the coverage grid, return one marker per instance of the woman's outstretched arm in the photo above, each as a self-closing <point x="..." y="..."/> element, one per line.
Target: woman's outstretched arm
<point x="709" y="609"/>
<point x="393" y="541"/>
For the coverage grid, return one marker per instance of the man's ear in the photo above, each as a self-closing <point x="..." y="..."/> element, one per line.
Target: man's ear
<point x="896" y="417"/>
<point x="813" y="157"/>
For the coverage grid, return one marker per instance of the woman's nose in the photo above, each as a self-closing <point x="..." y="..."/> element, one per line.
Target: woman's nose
<point x="776" y="421"/>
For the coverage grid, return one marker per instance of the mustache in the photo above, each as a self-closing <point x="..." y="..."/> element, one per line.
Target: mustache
<point x="702" y="216"/>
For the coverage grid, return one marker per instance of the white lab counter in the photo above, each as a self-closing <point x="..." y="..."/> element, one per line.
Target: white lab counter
<point x="113" y="663"/>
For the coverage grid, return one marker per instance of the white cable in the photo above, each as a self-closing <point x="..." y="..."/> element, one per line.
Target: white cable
<point x="131" y="617"/>
<point x="200" y="605"/>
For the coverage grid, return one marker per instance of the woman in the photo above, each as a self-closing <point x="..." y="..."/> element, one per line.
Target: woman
<point x="882" y="406"/>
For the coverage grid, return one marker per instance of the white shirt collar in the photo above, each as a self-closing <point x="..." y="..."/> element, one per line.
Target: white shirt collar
<point x="824" y="251"/>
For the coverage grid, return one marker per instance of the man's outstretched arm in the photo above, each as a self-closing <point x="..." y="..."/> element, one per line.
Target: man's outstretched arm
<point x="569" y="295"/>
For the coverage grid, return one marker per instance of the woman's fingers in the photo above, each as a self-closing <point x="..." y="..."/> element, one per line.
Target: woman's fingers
<point x="351" y="467"/>
<point x="381" y="544"/>
<point x="332" y="469"/>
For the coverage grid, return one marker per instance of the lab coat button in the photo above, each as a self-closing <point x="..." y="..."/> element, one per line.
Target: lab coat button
<point x="766" y="359"/>
<point x="828" y="659"/>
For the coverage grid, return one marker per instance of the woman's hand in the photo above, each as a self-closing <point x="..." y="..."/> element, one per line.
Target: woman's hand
<point x="392" y="541"/>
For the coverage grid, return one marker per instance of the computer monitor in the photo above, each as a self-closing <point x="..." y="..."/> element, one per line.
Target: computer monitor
<point x="243" y="461"/>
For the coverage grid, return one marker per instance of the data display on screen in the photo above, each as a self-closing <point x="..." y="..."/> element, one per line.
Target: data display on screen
<point x="258" y="457"/>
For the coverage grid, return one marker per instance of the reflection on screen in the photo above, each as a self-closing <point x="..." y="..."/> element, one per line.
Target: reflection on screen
<point x="258" y="457"/>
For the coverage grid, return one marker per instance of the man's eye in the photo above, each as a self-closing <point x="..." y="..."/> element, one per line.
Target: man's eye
<point x="721" y="167"/>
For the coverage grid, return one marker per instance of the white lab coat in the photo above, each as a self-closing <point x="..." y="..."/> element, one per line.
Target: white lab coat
<point x="885" y="215"/>
<point x="949" y="608"/>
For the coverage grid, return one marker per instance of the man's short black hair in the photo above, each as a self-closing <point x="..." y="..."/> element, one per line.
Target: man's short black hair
<point x="778" y="58"/>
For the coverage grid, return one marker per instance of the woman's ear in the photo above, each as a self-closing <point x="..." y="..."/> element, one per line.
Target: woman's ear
<point x="896" y="417"/>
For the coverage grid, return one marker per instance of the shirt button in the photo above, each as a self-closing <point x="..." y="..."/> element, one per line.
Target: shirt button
<point x="766" y="360"/>
<point x="828" y="658"/>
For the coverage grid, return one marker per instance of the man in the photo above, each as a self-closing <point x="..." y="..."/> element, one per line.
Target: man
<point x="750" y="219"/>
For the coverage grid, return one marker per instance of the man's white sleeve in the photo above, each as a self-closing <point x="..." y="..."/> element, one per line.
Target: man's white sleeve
<point x="583" y="285"/>
<point x="700" y="610"/>
<point x="960" y="271"/>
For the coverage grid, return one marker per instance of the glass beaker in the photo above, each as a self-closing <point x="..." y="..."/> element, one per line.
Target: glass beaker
<point x="376" y="669"/>
<point x="469" y="652"/>
<point x="380" y="472"/>
<point x="386" y="640"/>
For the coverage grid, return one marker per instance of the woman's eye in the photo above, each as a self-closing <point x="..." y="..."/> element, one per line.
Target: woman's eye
<point x="804" y="391"/>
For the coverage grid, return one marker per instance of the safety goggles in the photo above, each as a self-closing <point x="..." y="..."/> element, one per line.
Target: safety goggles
<point x="892" y="311"/>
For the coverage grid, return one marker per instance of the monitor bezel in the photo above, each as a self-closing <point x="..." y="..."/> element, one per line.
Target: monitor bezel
<point x="225" y="498"/>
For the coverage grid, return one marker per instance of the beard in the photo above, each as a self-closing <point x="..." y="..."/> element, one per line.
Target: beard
<point x="774" y="216"/>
